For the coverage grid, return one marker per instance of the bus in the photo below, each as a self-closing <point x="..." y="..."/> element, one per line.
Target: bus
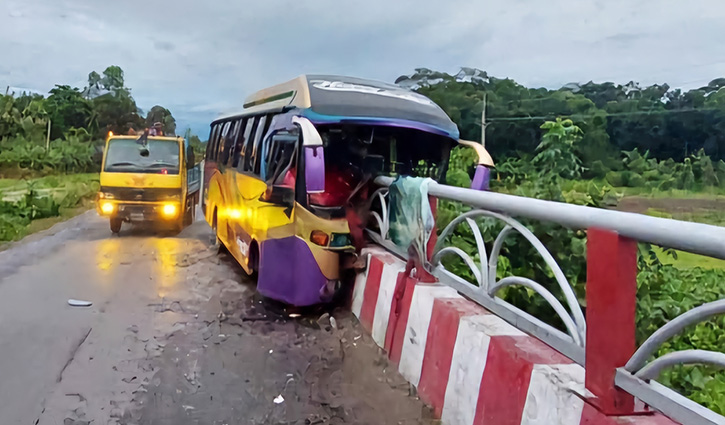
<point x="284" y="176"/>
<point x="148" y="178"/>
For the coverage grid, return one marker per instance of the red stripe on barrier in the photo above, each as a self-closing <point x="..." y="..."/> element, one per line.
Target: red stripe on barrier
<point x="399" y="310"/>
<point x="442" y="334"/>
<point x="505" y="381"/>
<point x="592" y="416"/>
<point x="370" y="296"/>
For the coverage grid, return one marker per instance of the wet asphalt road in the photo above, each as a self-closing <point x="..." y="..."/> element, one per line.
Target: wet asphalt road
<point x="175" y="335"/>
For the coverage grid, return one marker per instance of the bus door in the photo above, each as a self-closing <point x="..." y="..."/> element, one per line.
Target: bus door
<point x="275" y="211"/>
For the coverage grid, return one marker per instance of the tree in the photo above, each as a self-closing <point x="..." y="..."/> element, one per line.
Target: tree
<point x="116" y="112"/>
<point x="67" y="109"/>
<point x="160" y="114"/>
<point x="556" y="153"/>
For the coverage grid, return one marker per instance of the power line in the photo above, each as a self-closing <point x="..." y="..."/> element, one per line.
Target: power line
<point x="606" y="115"/>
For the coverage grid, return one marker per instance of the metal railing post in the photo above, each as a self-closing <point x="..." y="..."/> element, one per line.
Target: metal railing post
<point x="611" y="297"/>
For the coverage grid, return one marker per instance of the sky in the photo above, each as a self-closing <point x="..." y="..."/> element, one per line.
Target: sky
<point x="202" y="58"/>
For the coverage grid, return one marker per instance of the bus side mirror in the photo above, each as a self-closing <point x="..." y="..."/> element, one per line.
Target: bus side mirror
<point x="481" y="178"/>
<point x="314" y="169"/>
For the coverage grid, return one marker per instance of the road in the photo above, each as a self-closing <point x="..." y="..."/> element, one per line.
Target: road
<point x="175" y="335"/>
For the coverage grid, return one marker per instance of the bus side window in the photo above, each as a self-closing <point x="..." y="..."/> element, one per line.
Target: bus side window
<point x="211" y="148"/>
<point x="257" y="155"/>
<point x="249" y="125"/>
<point x="239" y="142"/>
<point x="249" y="144"/>
<point x="224" y="146"/>
<point x="231" y="142"/>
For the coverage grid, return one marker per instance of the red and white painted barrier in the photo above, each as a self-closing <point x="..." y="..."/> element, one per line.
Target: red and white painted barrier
<point x="469" y="365"/>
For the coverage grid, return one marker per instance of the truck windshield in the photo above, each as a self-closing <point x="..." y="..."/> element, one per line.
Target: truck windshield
<point x="158" y="156"/>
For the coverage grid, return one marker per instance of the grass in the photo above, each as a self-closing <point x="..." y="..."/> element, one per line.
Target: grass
<point x="688" y="260"/>
<point x="56" y="181"/>
<point x="73" y="193"/>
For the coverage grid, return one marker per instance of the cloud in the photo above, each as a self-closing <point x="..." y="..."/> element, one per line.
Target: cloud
<point x="199" y="58"/>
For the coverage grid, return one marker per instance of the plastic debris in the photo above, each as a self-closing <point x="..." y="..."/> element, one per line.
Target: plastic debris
<point x="411" y="219"/>
<point x="79" y="303"/>
<point x="333" y="322"/>
<point x="279" y="399"/>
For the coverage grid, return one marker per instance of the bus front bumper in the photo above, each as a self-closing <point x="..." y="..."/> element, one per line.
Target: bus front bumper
<point x="288" y="272"/>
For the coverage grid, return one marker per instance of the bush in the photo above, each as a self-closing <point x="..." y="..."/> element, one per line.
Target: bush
<point x="598" y="170"/>
<point x="668" y="184"/>
<point x="635" y="180"/>
<point x="652" y="175"/>
<point x="615" y="178"/>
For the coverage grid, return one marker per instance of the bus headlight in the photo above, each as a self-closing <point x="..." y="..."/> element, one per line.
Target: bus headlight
<point x="107" y="208"/>
<point x="169" y="210"/>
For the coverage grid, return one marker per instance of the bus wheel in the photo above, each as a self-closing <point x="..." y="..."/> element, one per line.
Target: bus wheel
<point x="217" y="243"/>
<point x="116" y="225"/>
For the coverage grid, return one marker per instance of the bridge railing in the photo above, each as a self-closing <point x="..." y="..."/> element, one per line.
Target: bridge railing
<point x="604" y="341"/>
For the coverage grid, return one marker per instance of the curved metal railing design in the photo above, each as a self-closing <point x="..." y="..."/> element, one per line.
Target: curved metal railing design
<point x="638" y="376"/>
<point x="485" y="273"/>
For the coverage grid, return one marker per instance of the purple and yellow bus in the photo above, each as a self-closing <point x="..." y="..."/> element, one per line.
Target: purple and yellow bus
<point x="283" y="176"/>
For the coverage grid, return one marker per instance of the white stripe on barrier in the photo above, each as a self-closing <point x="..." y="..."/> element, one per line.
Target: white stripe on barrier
<point x="385" y="299"/>
<point x="416" y="332"/>
<point x="361" y="280"/>
<point x="554" y="395"/>
<point x="468" y="363"/>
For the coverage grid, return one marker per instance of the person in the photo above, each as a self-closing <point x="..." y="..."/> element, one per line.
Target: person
<point x="339" y="185"/>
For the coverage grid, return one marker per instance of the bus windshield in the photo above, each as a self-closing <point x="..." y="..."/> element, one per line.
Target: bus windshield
<point x="158" y="156"/>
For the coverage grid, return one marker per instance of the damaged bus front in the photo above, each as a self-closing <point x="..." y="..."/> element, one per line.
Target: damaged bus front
<point x="287" y="180"/>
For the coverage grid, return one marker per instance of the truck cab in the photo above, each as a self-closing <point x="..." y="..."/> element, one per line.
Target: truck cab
<point x="148" y="178"/>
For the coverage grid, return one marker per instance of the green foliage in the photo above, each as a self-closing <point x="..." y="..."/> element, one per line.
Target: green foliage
<point x="79" y="121"/>
<point x="161" y="115"/>
<point x="598" y="170"/>
<point x="614" y="117"/>
<point x="41" y="198"/>
<point x="664" y="291"/>
<point x="556" y="152"/>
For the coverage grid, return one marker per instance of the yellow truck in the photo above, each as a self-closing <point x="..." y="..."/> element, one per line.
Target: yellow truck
<point x="148" y="179"/>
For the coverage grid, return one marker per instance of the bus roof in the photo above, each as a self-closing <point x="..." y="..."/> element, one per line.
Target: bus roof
<point x="332" y="97"/>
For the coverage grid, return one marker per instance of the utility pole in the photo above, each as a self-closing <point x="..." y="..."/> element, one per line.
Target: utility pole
<point x="47" y="137"/>
<point x="483" y="122"/>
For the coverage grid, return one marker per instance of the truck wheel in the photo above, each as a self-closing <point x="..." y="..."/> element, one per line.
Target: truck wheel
<point x="188" y="217"/>
<point x="116" y="225"/>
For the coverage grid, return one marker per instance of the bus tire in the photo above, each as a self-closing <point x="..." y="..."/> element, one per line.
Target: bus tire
<point x="216" y="242"/>
<point x="116" y="225"/>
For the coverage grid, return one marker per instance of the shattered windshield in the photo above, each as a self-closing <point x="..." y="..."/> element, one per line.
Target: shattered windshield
<point x="129" y="155"/>
<point x="392" y="151"/>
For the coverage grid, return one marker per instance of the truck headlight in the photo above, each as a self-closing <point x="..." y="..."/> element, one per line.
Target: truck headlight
<point x="169" y="210"/>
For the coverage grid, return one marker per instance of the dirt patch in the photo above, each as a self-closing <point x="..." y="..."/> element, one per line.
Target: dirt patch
<point x="673" y="206"/>
<point x="235" y="358"/>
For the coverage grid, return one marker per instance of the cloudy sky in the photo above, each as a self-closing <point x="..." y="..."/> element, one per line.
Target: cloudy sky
<point x="201" y="58"/>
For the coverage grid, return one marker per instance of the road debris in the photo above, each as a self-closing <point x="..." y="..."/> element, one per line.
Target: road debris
<point x="279" y="399"/>
<point x="79" y="303"/>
